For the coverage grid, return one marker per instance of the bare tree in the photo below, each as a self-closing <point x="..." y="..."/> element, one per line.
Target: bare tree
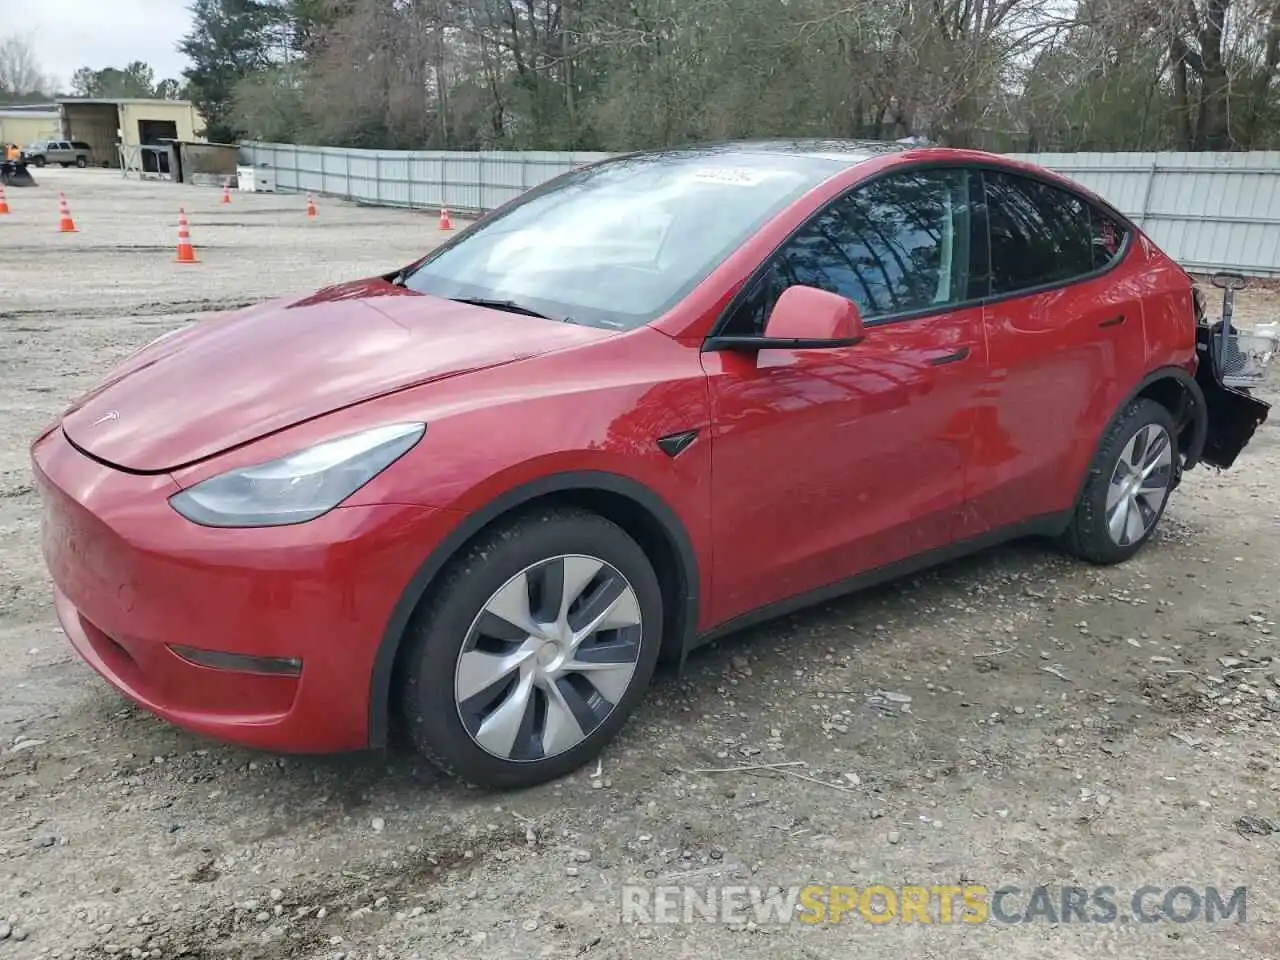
<point x="19" y="70"/>
<point x="621" y="74"/>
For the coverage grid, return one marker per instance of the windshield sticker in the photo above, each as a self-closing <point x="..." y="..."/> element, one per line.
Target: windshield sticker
<point x="732" y="175"/>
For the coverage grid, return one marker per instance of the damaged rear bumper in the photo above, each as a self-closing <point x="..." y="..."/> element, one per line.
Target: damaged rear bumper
<point x="1231" y="416"/>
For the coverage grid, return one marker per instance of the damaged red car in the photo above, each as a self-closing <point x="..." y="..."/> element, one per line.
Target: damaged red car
<point x="648" y="402"/>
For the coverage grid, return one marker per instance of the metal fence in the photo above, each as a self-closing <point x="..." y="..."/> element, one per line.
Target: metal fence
<point x="1210" y="211"/>
<point x="463" y="182"/>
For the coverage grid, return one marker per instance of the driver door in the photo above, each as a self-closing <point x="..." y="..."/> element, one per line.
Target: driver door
<point x="831" y="463"/>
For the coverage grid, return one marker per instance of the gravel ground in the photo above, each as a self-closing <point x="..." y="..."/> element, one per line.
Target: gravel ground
<point x="1015" y="718"/>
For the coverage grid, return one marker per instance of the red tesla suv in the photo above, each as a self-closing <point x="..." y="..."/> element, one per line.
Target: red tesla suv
<point x="643" y="404"/>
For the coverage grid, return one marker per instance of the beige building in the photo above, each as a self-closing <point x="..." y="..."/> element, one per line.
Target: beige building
<point x="25" y="127"/>
<point x="128" y="123"/>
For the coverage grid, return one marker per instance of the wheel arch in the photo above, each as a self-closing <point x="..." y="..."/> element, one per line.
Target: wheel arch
<point x="1176" y="390"/>
<point x="643" y="514"/>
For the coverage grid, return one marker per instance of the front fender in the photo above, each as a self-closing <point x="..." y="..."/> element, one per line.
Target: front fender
<point x="477" y="518"/>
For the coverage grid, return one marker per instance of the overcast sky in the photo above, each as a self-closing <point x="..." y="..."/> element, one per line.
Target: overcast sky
<point x="68" y="34"/>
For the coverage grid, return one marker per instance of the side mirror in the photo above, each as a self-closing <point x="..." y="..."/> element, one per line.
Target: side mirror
<point x="804" y="318"/>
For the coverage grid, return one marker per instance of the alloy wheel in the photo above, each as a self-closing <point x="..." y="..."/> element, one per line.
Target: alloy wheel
<point x="1139" y="485"/>
<point x="548" y="657"/>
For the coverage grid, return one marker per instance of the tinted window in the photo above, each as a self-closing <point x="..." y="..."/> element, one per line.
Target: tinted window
<point x="1107" y="238"/>
<point x="79" y="145"/>
<point x="1039" y="234"/>
<point x="899" y="244"/>
<point x="617" y="245"/>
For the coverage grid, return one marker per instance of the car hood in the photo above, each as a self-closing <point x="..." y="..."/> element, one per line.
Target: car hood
<point x="228" y="380"/>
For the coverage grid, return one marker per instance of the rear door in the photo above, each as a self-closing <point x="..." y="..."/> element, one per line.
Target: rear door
<point x="1064" y="327"/>
<point x="831" y="463"/>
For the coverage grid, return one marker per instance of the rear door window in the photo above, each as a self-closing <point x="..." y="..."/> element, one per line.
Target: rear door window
<point x="1040" y="234"/>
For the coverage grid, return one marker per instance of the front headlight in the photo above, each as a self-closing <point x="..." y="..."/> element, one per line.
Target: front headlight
<point x="299" y="487"/>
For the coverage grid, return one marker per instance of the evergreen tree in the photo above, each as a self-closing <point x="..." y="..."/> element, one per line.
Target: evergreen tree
<point x="231" y="39"/>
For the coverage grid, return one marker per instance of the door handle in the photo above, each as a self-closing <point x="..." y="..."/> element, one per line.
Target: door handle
<point x="1113" y="322"/>
<point x="950" y="358"/>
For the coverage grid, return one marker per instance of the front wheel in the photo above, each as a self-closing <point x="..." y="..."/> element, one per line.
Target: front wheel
<point x="536" y="645"/>
<point x="1132" y="474"/>
<point x="39" y="161"/>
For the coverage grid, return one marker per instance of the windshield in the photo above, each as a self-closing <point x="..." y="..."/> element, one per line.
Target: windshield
<point x="619" y="244"/>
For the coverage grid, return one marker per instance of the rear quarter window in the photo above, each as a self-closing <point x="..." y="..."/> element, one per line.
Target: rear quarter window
<point x="1108" y="238"/>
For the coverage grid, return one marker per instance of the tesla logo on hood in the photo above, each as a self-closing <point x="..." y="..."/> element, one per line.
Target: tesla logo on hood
<point x="106" y="417"/>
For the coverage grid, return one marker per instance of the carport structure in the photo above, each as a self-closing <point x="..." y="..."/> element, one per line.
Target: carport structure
<point x="123" y="125"/>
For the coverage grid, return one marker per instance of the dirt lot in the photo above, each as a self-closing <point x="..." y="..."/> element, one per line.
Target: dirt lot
<point x="1044" y="723"/>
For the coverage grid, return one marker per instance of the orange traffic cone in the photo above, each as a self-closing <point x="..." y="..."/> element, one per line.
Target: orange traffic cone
<point x="186" y="252"/>
<point x="4" y="204"/>
<point x="445" y="222"/>
<point x="226" y="192"/>
<point x="65" y="223"/>
<point x="311" y="207"/>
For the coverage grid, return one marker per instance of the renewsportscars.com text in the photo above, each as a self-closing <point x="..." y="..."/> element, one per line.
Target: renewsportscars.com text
<point x="931" y="904"/>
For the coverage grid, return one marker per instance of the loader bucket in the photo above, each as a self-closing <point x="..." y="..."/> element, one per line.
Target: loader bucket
<point x="15" y="174"/>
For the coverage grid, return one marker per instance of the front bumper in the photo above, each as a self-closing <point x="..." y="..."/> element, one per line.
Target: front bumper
<point x="132" y="579"/>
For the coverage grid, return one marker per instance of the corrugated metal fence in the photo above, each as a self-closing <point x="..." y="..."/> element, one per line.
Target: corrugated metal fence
<point x="1211" y="211"/>
<point x="463" y="182"/>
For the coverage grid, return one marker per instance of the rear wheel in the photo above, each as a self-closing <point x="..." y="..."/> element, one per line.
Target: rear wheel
<point x="81" y="162"/>
<point x="1132" y="474"/>
<point x="535" y="647"/>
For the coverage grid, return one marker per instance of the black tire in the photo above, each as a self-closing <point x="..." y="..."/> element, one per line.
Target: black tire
<point x="39" y="161"/>
<point x="81" y="162"/>
<point x="1088" y="537"/>
<point x="438" y="631"/>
